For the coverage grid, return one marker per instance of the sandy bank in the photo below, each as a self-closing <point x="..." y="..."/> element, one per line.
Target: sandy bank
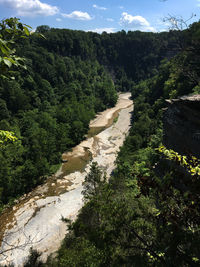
<point x="103" y="118"/>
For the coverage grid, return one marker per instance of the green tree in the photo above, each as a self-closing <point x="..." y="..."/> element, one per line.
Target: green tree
<point x="43" y="29"/>
<point x="93" y="181"/>
<point x="11" y="30"/>
<point x="6" y="136"/>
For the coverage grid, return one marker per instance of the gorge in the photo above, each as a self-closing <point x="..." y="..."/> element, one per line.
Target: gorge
<point x="145" y="210"/>
<point x="35" y="221"/>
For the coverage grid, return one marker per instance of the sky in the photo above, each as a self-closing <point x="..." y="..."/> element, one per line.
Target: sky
<point x="100" y="15"/>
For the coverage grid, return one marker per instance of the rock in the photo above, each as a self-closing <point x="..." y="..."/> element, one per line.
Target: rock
<point x="181" y="122"/>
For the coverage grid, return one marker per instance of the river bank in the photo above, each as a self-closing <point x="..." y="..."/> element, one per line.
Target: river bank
<point x="36" y="220"/>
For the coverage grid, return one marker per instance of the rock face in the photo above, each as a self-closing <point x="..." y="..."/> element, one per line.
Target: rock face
<point x="182" y="125"/>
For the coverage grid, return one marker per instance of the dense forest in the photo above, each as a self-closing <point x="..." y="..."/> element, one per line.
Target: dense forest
<point x="48" y="106"/>
<point x="141" y="217"/>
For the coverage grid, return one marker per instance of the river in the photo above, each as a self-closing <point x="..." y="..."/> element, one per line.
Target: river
<point x="35" y="220"/>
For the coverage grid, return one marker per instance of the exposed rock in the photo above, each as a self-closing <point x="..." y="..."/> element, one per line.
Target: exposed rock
<point x="182" y="125"/>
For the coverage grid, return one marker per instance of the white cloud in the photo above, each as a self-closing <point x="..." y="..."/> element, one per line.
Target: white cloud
<point x="162" y="25"/>
<point x="198" y="3"/>
<point x="100" y="30"/>
<point x="121" y="7"/>
<point x="109" y="19"/>
<point x="78" y="15"/>
<point x="30" y="7"/>
<point x="163" y="30"/>
<point x="100" y="7"/>
<point x="58" y="19"/>
<point x="135" y="22"/>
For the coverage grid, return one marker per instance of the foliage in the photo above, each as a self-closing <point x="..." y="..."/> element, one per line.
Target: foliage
<point x="192" y="165"/>
<point x="33" y="261"/>
<point x="6" y="136"/>
<point x="11" y="30"/>
<point x="93" y="182"/>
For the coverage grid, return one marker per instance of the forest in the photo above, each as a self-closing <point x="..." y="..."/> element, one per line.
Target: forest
<point x="141" y="217"/>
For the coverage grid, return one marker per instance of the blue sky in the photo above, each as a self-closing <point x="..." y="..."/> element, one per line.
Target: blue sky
<point x="99" y="15"/>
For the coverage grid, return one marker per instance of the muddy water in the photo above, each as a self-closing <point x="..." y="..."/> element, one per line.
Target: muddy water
<point x="35" y="221"/>
<point x="74" y="162"/>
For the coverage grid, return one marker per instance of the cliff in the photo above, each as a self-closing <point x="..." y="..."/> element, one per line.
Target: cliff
<point x="182" y="125"/>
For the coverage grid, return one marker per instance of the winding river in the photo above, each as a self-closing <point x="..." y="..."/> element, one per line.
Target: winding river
<point x="35" y="220"/>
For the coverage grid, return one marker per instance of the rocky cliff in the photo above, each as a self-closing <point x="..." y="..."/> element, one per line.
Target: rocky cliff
<point x="182" y="125"/>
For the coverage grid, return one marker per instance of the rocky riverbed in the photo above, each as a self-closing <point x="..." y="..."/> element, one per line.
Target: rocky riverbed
<point x="35" y="221"/>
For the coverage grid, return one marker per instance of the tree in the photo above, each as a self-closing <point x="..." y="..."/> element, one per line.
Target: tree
<point x="178" y="22"/>
<point x="10" y="31"/>
<point x="93" y="181"/>
<point x="43" y="28"/>
<point x="6" y="136"/>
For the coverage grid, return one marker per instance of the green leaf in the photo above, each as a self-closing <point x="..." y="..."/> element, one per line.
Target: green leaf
<point x="20" y="26"/>
<point x="4" y="49"/>
<point x="26" y="31"/>
<point x="28" y="26"/>
<point x="7" y="62"/>
<point x="11" y="60"/>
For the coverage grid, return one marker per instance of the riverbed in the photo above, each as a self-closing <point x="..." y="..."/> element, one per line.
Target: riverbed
<point x="35" y="220"/>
